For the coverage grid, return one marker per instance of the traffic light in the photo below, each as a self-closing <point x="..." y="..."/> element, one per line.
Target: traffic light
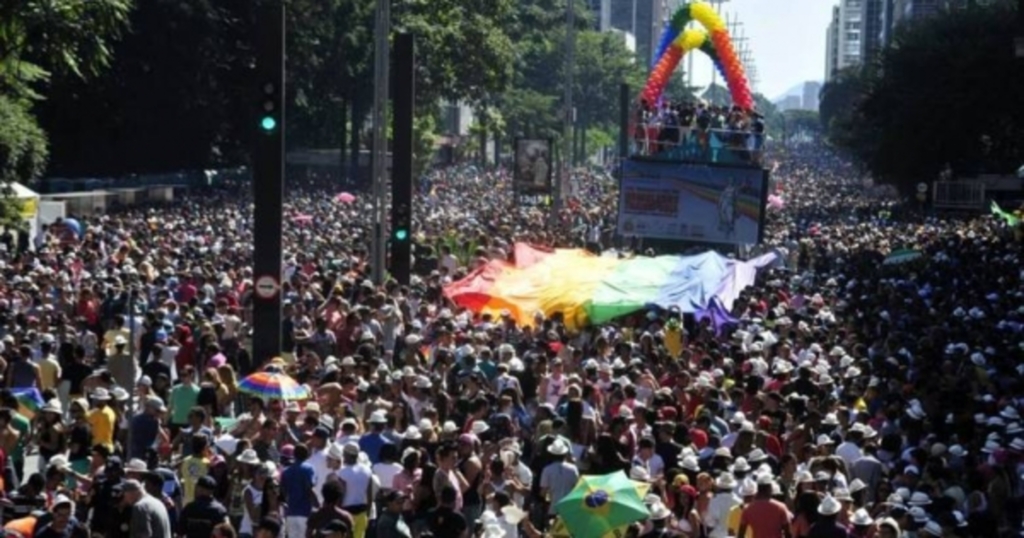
<point x="268" y="109"/>
<point x="401" y="220"/>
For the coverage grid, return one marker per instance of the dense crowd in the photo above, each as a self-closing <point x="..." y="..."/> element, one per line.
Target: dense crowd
<point x="852" y="398"/>
<point x="696" y="129"/>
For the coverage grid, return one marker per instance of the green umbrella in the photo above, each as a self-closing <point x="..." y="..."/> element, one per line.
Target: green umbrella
<point x="902" y="256"/>
<point x="601" y="503"/>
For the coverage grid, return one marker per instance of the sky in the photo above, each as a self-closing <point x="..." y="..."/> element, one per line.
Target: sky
<point x="787" y="38"/>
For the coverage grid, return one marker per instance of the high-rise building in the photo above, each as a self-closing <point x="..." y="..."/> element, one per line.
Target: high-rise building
<point x="789" y="102"/>
<point x="850" y="33"/>
<point x="811" y="91"/>
<point x="845" y="37"/>
<point x="645" y="19"/>
<point x="832" y="45"/>
<point x="872" y="32"/>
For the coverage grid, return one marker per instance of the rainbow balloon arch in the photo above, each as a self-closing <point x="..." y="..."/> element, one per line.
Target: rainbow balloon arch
<point x="713" y="40"/>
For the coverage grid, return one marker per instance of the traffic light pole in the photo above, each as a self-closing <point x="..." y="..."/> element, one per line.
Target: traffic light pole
<point x="268" y="180"/>
<point x="382" y="63"/>
<point x="401" y="158"/>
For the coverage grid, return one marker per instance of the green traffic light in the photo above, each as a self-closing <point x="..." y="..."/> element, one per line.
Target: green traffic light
<point x="401" y="235"/>
<point x="268" y="123"/>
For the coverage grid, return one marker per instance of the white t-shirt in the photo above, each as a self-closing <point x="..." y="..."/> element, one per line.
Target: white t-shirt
<point x="357" y="480"/>
<point x="385" y="473"/>
<point x="318" y="461"/>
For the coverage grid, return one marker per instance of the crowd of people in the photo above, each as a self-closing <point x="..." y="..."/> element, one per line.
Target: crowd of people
<point x="699" y="130"/>
<point x="852" y="399"/>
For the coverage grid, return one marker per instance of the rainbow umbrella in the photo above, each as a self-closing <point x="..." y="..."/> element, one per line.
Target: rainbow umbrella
<point x="273" y="386"/>
<point x="600" y="504"/>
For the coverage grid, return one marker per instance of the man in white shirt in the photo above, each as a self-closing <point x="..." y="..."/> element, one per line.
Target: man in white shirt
<point x="717" y="519"/>
<point x="850" y="450"/>
<point x="357" y="484"/>
<point x="648" y="460"/>
<point x="318" y="459"/>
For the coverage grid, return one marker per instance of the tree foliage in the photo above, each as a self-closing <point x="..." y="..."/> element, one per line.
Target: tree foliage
<point x="946" y="92"/>
<point x="23" y="149"/>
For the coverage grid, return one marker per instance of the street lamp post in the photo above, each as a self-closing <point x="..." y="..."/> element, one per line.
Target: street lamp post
<point x="382" y="64"/>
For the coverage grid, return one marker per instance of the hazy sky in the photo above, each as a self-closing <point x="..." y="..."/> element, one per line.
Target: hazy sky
<point x="787" y="38"/>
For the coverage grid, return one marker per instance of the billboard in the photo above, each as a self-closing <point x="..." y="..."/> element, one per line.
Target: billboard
<point x="534" y="167"/>
<point x="692" y="202"/>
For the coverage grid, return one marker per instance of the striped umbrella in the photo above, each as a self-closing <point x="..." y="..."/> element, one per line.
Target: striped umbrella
<point x="273" y="385"/>
<point x="29" y="401"/>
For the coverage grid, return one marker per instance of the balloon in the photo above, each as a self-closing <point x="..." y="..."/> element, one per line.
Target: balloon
<point x="714" y="41"/>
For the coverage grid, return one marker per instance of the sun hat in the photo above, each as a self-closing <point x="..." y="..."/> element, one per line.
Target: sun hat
<point x="725" y="481"/>
<point x="861" y="518"/>
<point x="248" y="456"/>
<point x="829" y="506"/>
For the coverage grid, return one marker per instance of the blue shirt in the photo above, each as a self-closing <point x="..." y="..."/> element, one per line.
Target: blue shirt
<point x="371" y="444"/>
<point x="297" y="483"/>
<point x="145" y="428"/>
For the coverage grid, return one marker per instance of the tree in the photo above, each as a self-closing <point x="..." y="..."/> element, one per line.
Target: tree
<point x="23" y="149"/>
<point x="39" y="38"/>
<point x="947" y="92"/>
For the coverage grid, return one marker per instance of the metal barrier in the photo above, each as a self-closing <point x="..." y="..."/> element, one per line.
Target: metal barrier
<point x="959" y="195"/>
<point x="720" y="146"/>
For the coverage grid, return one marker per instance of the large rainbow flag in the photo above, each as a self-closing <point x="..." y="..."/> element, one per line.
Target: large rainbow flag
<point x="594" y="289"/>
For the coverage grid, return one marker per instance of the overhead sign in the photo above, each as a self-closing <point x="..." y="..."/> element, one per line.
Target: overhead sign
<point x="267" y="287"/>
<point x="531" y="176"/>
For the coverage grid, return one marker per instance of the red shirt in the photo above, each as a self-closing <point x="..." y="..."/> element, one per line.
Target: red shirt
<point x="765" y="518"/>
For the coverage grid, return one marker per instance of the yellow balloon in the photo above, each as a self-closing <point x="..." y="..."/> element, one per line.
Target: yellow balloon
<point x="703" y="13"/>
<point x="692" y="39"/>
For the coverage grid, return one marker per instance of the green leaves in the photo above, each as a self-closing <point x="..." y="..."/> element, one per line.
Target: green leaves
<point x="23" y="146"/>
<point x="946" y="92"/>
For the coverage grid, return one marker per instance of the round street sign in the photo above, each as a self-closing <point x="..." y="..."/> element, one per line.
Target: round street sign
<point x="922" y="188"/>
<point x="266" y="287"/>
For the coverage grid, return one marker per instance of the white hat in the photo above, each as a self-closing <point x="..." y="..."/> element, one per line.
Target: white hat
<point x="741" y="465"/>
<point x="313" y="407"/>
<point x="856" y="485"/>
<point x="425" y="425"/>
<point x="861" y="518"/>
<point x="249" y="456"/>
<point x="120" y="340"/>
<point x="690" y="463"/>
<point x="757" y="455"/>
<point x="423" y="382"/>
<point x="824" y="440"/>
<point x="100" y="394"/>
<point x="412" y="433"/>
<point x="136" y="465"/>
<point x="829" y="506"/>
<point x="558" y="448"/>
<point x="449" y="426"/>
<point x="659" y="511"/>
<point x="842" y="494"/>
<point x="335" y="452"/>
<point x="957" y="451"/>
<point x="292" y="407"/>
<point x="62" y="499"/>
<point x="918" y="514"/>
<point x="350" y="449"/>
<point x="919" y="498"/>
<point x="379" y="416"/>
<point x="52" y="406"/>
<point x="725" y="481"/>
<point x="933" y="529"/>
<point x="639" y="474"/>
<point x="830" y="420"/>
<point x="763" y="479"/>
<point x="478" y="427"/>
<point x="59" y="462"/>
<point x="748" y="488"/>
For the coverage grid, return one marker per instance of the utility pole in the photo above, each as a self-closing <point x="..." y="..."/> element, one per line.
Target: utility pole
<point x="569" y="112"/>
<point x="381" y="66"/>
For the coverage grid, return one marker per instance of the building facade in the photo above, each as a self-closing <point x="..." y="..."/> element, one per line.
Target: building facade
<point x="810" y="98"/>
<point x="832" y="46"/>
<point x="645" y="19"/>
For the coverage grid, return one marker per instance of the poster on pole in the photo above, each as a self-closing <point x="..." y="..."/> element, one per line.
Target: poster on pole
<point x="532" y="175"/>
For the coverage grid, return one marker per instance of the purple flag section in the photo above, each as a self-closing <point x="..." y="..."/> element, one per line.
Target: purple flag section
<point x="717" y="313"/>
